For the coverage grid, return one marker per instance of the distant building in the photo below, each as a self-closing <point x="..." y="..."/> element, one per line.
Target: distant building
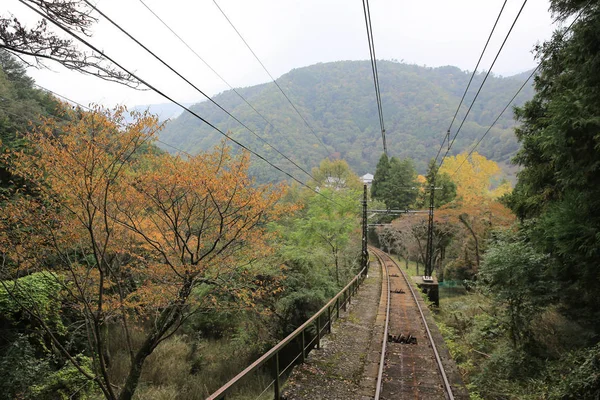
<point x="367" y="178"/>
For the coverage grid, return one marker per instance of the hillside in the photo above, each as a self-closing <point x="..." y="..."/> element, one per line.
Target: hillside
<point x="338" y="101"/>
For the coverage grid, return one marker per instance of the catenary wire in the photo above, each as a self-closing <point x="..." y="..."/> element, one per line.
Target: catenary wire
<point x="371" y="41"/>
<point x="167" y="97"/>
<point x="217" y="74"/>
<point x="516" y="94"/>
<point x="92" y="110"/>
<point x="194" y="86"/>
<point x="482" y="84"/>
<point x="471" y="79"/>
<point x="273" y="79"/>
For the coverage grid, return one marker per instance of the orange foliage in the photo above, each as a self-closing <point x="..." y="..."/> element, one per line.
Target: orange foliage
<point x="133" y="231"/>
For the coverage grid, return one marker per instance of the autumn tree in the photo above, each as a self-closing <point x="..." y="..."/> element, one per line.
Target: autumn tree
<point x="131" y="234"/>
<point x="476" y="177"/>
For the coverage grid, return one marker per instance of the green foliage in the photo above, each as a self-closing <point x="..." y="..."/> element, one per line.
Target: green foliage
<point x="381" y="176"/>
<point x="442" y="196"/>
<point x="20" y="104"/>
<point x="336" y="99"/>
<point x="583" y="380"/>
<point x="559" y="185"/>
<point x="514" y="275"/>
<point x="40" y="292"/>
<point x="20" y="369"/>
<point x="67" y="383"/>
<point x="395" y="183"/>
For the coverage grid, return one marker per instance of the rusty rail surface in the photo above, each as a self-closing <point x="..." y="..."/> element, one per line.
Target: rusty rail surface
<point x="446" y="384"/>
<point x="273" y="354"/>
<point x="384" y="268"/>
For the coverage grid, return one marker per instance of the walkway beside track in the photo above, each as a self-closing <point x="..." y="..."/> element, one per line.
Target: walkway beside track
<point x="345" y="368"/>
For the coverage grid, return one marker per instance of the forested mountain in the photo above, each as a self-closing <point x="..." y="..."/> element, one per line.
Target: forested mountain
<point x="338" y="101"/>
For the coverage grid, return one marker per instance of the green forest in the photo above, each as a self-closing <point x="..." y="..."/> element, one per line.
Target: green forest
<point x="336" y="99"/>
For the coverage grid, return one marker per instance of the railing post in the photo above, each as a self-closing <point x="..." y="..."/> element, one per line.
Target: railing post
<point x="318" y="332"/>
<point x="303" y="347"/>
<point x="344" y="304"/>
<point x="276" y="385"/>
<point x="337" y="308"/>
<point x="329" y="318"/>
<point x="350" y="294"/>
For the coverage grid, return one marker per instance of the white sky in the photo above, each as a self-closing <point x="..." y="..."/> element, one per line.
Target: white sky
<point x="288" y="34"/>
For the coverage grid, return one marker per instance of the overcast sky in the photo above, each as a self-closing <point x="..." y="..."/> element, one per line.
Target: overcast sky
<point x="288" y="34"/>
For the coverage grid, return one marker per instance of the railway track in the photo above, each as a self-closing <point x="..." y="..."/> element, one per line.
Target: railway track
<point x="410" y="365"/>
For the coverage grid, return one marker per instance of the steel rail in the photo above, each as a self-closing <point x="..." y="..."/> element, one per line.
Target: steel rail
<point x="438" y="360"/>
<point x="385" y="331"/>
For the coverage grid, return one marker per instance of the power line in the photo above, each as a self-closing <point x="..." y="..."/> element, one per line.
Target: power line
<point x="471" y="79"/>
<point x="273" y="79"/>
<point x="217" y="74"/>
<point x="92" y="110"/>
<point x="496" y="120"/>
<point x="482" y="84"/>
<point x="371" y="41"/>
<point x="167" y="97"/>
<point x="192" y="85"/>
<point x="516" y="94"/>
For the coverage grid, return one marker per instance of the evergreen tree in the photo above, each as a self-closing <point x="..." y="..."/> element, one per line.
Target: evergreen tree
<point x="395" y="182"/>
<point x="442" y="180"/>
<point x="403" y="187"/>
<point x="559" y="185"/>
<point x="382" y="173"/>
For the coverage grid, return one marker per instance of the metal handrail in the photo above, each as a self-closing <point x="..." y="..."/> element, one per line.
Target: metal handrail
<point x="350" y="288"/>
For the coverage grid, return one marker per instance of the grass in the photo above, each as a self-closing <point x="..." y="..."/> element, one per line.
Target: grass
<point x="412" y="266"/>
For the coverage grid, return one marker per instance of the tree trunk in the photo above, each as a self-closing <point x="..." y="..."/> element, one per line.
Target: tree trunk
<point x="463" y="219"/>
<point x="167" y="318"/>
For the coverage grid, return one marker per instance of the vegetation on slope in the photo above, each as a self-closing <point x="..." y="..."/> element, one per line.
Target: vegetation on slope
<point x="338" y="102"/>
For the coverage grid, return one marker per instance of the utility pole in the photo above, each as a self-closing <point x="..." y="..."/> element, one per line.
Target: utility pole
<point x="365" y="254"/>
<point x="429" y="255"/>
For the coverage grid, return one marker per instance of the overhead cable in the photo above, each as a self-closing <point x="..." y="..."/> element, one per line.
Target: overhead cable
<point x="471" y="79"/>
<point x="481" y="86"/>
<point x="92" y="110"/>
<point x="192" y="85"/>
<point x="167" y="97"/>
<point x="273" y="79"/>
<point x="371" y="41"/>
<point x="516" y="94"/>
<point x="216" y="73"/>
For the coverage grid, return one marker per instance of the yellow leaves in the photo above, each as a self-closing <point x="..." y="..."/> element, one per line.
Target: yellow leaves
<point x="475" y="177"/>
<point x="504" y="188"/>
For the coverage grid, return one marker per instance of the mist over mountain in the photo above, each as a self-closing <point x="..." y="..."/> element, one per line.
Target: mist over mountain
<point x="338" y="101"/>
